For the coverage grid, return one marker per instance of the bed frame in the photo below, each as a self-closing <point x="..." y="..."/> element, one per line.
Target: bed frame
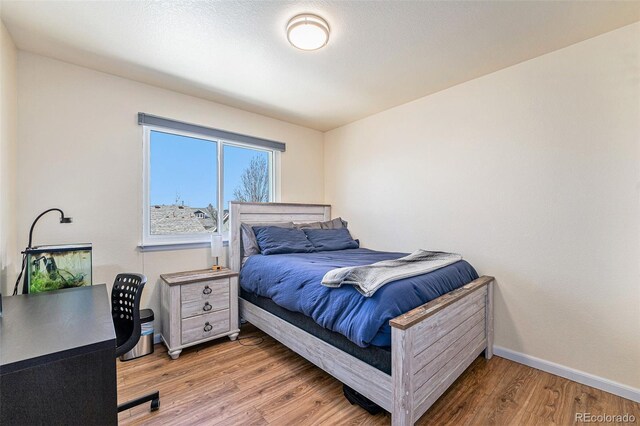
<point x="431" y="345"/>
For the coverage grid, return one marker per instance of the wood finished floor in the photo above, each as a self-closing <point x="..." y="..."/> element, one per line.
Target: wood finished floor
<point x="228" y="383"/>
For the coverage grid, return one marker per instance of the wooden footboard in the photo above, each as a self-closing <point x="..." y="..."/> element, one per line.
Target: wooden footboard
<point x="434" y="343"/>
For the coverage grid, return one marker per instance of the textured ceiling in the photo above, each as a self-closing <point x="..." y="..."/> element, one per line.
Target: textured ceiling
<point x="380" y="54"/>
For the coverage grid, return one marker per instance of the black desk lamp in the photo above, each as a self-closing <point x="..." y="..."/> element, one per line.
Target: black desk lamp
<point x="63" y="219"/>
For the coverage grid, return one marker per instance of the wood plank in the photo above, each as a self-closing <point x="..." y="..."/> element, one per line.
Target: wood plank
<point x="625" y="406"/>
<point x="345" y="414"/>
<point x="205" y="326"/>
<point x="253" y="375"/>
<point x="484" y="376"/>
<point x="426" y="379"/>
<point x="456" y="406"/>
<point x="488" y="353"/>
<point x="280" y="406"/>
<point x="250" y="416"/>
<point x="198" y="275"/>
<point x="192" y="308"/>
<point x="402" y="377"/>
<point x="450" y="373"/>
<point x="426" y="356"/>
<point x="235" y="257"/>
<point x="429" y="309"/>
<point x="432" y="360"/>
<point x="164" y="328"/>
<point x="547" y="400"/>
<point x="320" y="399"/>
<point x="170" y="324"/>
<point x="510" y="397"/>
<point x="234" y="312"/>
<point x="439" y="325"/>
<point x="252" y="218"/>
<point x="279" y="207"/>
<point x="524" y="417"/>
<point x="367" y="380"/>
<point x="591" y="400"/>
<point x="327" y="212"/>
<point x="205" y="290"/>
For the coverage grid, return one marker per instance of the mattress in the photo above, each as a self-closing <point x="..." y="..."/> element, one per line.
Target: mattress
<point x="293" y="282"/>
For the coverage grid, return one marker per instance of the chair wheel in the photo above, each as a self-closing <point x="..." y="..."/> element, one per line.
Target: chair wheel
<point x="155" y="404"/>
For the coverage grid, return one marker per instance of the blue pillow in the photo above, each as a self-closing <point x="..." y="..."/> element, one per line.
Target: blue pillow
<point x="276" y="240"/>
<point x="331" y="239"/>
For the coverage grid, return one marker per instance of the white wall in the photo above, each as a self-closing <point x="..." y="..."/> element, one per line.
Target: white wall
<point x="8" y="156"/>
<point x="80" y="148"/>
<point x="533" y="173"/>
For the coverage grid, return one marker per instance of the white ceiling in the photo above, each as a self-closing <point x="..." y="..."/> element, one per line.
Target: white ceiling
<point x="380" y="54"/>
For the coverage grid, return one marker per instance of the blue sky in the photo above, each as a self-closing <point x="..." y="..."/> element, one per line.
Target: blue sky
<point x="187" y="167"/>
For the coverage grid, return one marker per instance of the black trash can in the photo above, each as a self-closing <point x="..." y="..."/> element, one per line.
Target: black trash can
<point x="145" y="344"/>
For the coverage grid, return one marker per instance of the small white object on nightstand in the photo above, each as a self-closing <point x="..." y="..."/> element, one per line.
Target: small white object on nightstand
<point x="216" y="248"/>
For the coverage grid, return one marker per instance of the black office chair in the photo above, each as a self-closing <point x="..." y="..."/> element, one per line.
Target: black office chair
<point x="125" y="311"/>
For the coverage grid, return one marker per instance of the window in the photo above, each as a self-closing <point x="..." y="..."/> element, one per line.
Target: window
<point x="247" y="176"/>
<point x="190" y="180"/>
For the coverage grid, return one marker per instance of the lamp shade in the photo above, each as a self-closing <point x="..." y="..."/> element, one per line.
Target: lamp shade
<point x="216" y="245"/>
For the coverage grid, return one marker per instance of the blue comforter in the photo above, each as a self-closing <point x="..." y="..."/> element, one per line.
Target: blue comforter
<point x="293" y="282"/>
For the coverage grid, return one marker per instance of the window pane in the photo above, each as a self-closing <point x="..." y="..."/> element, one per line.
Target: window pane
<point x="247" y="177"/>
<point x="183" y="190"/>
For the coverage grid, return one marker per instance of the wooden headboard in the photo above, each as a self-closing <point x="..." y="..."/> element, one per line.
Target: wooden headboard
<point x="251" y="213"/>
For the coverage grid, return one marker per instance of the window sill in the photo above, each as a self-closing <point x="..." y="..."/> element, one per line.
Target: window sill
<point x="176" y="246"/>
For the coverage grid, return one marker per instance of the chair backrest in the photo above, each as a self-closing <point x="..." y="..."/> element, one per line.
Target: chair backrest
<point x="125" y="310"/>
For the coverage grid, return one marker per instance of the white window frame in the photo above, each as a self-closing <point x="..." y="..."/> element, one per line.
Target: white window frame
<point x="185" y="239"/>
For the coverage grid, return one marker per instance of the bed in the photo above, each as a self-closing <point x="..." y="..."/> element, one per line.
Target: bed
<point x="431" y="345"/>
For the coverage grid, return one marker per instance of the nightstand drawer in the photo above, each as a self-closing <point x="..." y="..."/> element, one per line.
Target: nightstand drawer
<point x="204" y="326"/>
<point x="198" y="307"/>
<point x="205" y="290"/>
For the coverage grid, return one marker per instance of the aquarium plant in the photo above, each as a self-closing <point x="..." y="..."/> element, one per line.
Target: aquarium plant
<point x="58" y="267"/>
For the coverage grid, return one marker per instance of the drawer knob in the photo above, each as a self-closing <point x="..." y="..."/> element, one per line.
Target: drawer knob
<point x="207" y="306"/>
<point x="206" y="290"/>
<point x="207" y="327"/>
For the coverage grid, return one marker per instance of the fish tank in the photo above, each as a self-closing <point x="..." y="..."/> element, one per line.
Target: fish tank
<point x="58" y="267"/>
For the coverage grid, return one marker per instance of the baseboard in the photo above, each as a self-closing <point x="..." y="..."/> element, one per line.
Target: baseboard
<point x="569" y="373"/>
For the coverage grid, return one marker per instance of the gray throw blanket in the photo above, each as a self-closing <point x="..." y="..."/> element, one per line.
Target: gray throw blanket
<point x="367" y="279"/>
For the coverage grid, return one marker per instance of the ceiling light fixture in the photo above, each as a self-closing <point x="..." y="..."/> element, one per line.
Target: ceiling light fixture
<point x="307" y="32"/>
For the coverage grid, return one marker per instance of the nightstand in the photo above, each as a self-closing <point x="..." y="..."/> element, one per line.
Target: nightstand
<point x="198" y="306"/>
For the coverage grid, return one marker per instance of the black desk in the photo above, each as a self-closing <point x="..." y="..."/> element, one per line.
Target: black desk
<point x="57" y="358"/>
